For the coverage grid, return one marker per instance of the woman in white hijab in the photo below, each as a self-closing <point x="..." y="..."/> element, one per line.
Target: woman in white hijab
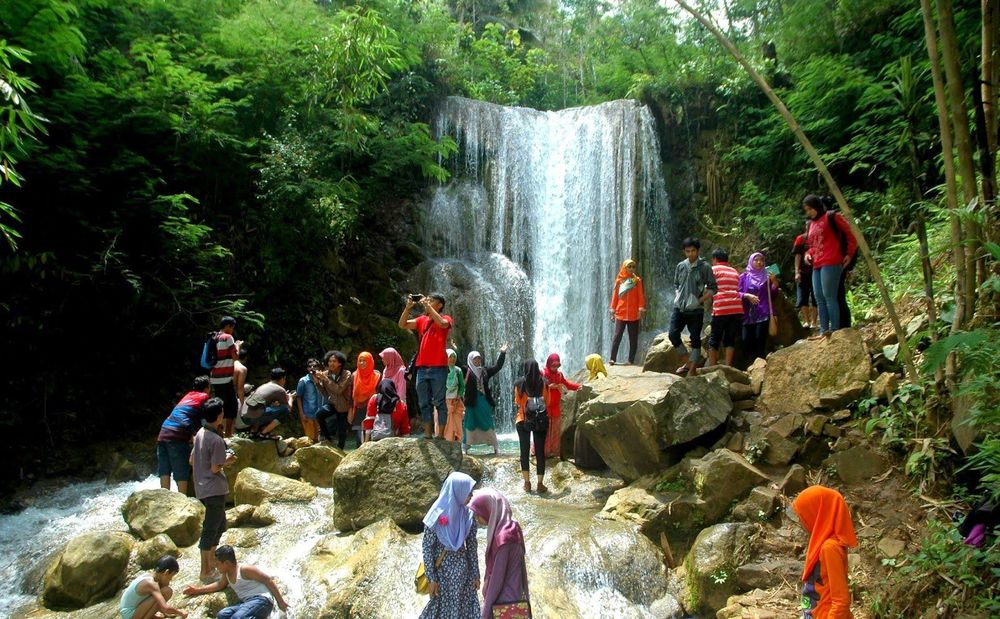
<point x="480" y="428"/>
<point x="450" y="555"/>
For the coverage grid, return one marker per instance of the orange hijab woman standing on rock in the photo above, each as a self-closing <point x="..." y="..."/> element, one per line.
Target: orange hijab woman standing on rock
<point x="628" y="304"/>
<point x="824" y="513"/>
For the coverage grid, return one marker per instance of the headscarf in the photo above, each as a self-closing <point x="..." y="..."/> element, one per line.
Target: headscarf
<point x="551" y="373"/>
<point x="365" y="378"/>
<point x="626" y="281"/>
<point x="476" y="371"/>
<point x="824" y="513"/>
<point x="531" y="383"/>
<point x="449" y="516"/>
<point x="595" y="365"/>
<point x="501" y="528"/>
<point x="394" y="370"/>
<point x="757" y="277"/>
<point x="388" y="397"/>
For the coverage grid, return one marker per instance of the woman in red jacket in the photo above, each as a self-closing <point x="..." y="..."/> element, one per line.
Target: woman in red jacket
<point x="556" y="385"/>
<point x="628" y="304"/>
<point x="832" y="247"/>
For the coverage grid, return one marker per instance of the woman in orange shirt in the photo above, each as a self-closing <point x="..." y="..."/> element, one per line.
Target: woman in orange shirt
<point x="824" y="513"/>
<point x="628" y="304"/>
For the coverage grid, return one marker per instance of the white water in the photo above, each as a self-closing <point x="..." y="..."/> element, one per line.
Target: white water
<point x="561" y="198"/>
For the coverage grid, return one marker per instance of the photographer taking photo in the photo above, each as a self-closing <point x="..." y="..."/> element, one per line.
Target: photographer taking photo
<point x="432" y="359"/>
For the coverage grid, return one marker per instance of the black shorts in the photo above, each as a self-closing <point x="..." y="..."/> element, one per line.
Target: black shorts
<point x="230" y="403"/>
<point x="724" y="331"/>
<point x="804" y="296"/>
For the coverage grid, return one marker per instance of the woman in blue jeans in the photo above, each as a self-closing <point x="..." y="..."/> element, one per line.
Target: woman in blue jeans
<point x="832" y="247"/>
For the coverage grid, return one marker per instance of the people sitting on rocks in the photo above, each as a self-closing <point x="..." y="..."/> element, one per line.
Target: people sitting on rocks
<point x="556" y="386"/>
<point x="454" y="394"/>
<point x="366" y="380"/>
<point x="451" y="560"/>
<point x="337" y="383"/>
<point x="310" y="399"/>
<point x="256" y="591"/>
<point x="432" y="360"/>
<point x="595" y="367"/>
<point x="147" y="595"/>
<point x="386" y="412"/>
<point x="266" y="405"/>
<point x="209" y="457"/>
<point x="505" y="583"/>
<point x="694" y="284"/>
<point x="757" y="287"/>
<point x="479" y="425"/>
<point x="628" y="305"/>
<point x="532" y="420"/>
<point x="824" y="513"/>
<point x="727" y="309"/>
<point x="173" y="444"/>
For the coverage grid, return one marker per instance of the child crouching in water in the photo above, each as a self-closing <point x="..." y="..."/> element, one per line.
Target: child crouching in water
<point x="149" y="594"/>
<point x="454" y="395"/>
<point x="823" y="512"/>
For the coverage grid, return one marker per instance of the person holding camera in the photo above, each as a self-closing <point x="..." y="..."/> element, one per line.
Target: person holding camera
<point x="532" y="419"/>
<point x="310" y="398"/>
<point x="337" y="383"/>
<point x="432" y="359"/>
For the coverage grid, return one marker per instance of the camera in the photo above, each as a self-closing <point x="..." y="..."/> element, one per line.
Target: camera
<point x="416" y="298"/>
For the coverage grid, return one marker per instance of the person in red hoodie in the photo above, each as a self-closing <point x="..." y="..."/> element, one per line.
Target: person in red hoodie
<point x="832" y="247"/>
<point x="628" y="304"/>
<point x="556" y="386"/>
<point x="823" y="512"/>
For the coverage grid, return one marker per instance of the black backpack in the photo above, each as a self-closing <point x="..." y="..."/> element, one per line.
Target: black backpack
<point x="831" y="217"/>
<point x="210" y="351"/>
<point x="536" y="416"/>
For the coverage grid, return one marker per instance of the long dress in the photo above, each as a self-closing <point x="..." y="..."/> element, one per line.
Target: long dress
<point x="479" y="426"/>
<point x="457" y="576"/>
<point x="553" y="402"/>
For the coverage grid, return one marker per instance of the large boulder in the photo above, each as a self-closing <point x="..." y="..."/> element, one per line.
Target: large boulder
<point x="254" y="487"/>
<point x="147" y="553"/>
<point x="152" y="512"/>
<point x="317" y="463"/>
<point x="856" y="464"/>
<point x="91" y="568"/>
<point x="632" y="426"/>
<point x="828" y="374"/>
<point x="395" y="478"/>
<point x="260" y="455"/>
<point x="712" y="564"/>
<point x="661" y="356"/>
<point x="569" y="484"/>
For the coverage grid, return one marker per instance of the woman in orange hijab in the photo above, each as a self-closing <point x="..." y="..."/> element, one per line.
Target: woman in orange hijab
<point x="824" y="513"/>
<point x="628" y="304"/>
<point x="366" y="381"/>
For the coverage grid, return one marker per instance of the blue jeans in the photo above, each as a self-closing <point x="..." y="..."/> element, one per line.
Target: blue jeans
<point x="172" y="457"/>
<point x="826" y="283"/>
<point x="256" y="607"/>
<point x="432" y="384"/>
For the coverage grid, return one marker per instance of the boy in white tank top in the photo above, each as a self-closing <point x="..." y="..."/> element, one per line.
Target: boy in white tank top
<point x="256" y="590"/>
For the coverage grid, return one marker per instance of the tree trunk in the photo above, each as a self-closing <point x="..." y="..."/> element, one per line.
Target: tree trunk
<point x="988" y="82"/>
<point x="890" y="307"/>
<point x="987" y="161"/>
<point x="963" y="142"/>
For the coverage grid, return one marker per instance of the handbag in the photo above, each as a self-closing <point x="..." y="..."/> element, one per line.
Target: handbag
<point x="772" y="327"/>
<point x="516" y="610"/>
<point x="420" y="581"/>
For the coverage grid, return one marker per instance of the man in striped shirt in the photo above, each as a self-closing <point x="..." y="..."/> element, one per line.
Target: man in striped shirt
<point x="727" y="309"/>
<point x="227" y="352"/>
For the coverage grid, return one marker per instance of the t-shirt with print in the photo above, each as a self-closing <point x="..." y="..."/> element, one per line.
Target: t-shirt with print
<point x="209" y="449"/>
<point x="184" y="420"/>
<point x="225" y="351"/>
<point x="433" y="342"/>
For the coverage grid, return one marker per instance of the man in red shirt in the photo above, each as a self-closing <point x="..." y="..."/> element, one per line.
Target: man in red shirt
<point x="727" y="309"/>
<point x="432" y="358"/>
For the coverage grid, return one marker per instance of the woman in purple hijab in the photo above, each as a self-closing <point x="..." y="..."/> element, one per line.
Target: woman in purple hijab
<point x="506" y="577"/>
<point x="450" y="559"/>
<point x="756" y="305"/>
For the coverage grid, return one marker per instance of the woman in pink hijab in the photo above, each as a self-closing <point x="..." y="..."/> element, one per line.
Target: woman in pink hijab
<point x="506" y="579"/>
<point x="394" y="369"/>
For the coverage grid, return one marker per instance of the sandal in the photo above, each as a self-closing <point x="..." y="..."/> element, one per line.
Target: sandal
<point x="681" y="371"/>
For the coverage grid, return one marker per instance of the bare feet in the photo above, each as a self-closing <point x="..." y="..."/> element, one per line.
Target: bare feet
<point x="542" y="488"/>
<point x="527" y="486"/>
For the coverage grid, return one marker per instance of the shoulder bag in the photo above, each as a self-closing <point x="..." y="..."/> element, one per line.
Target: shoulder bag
<point x="420" y="581"/>
<point x="515" y="610"/>
<point x="772" y="327"/>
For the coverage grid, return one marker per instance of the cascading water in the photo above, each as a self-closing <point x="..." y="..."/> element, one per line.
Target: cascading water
<point x="544" y="207"/>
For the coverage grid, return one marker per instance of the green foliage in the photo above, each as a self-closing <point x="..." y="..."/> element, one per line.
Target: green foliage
<point x="500" y="69"/>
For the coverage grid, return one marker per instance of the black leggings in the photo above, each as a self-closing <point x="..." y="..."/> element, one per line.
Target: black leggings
<point x="633" y="339"/>
<point x="755" y="340"/>
<point x="524" y="438"/>
<point x="845" y="309"/>
<point x="340" y="425"/>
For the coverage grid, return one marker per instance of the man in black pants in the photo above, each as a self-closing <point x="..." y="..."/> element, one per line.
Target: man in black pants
<point x="695" y="284"/>
<point x="337" y="384"/>
<point x="209" y="457"/>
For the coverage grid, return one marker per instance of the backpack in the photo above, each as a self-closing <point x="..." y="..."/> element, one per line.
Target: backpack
<point x="536" y="417"/>
<point x="210" y="351"/>
<point x="832" y="224"/>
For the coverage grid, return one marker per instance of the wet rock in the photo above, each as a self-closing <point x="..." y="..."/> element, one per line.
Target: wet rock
<point x="668" y="412"/>
<point x="90" y="568"/>
<point x="712" y="563"/>
<point x="857" y="464"/>
<point x="395" y="478"/>
<point x="823" y="374"/>
<point x="263" y="515"/>
<point x="260" y="455"/>
<point x="667" y="607"/>
<point x="151" y="512"/>
<point x="569" y="484"/>
<point x="794" y="481"/>
<point x="661" y="356"/>
<point x="769" y="573"/>
<point x="884" y="386"/>
<point x="288" y="466"/>
<point x="756" y="372"/>
<point x="239" y="516"/>
<point x="241" y="538"/>
<point x="317" y="463"/>
<point x="148" y="552"/>
<point x="253" y="487"/>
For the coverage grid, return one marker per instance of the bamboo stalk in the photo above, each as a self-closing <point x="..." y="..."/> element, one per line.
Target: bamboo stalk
<point x="904" y="348"/>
